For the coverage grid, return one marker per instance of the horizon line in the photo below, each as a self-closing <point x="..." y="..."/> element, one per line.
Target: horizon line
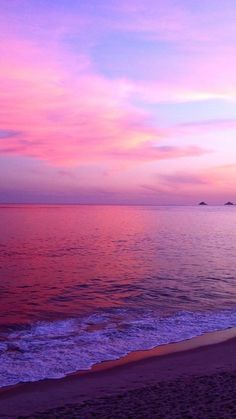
<point x="109" y="204"/>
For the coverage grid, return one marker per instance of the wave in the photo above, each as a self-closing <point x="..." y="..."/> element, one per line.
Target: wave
<point x="55" y="349"/>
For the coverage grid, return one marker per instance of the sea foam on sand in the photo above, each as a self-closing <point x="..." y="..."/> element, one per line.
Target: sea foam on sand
<point x="55" y="349"/>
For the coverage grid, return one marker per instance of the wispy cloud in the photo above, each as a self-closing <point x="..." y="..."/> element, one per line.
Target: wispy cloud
<point x="151" y="152"/>
<point x="8" y="133"/>
<point x="198" y="127"/>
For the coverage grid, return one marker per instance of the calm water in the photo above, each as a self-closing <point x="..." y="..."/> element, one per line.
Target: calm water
<point x="83" y="284"/>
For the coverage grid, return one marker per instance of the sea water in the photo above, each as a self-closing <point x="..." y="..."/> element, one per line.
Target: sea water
<point x="83" y="284"/>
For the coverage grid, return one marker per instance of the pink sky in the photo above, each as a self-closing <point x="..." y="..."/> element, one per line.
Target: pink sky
<point x="117" y="102"/>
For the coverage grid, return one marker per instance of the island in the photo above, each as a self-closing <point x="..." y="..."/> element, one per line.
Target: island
<point x="229" y="203"/>
<point x="202" y="203"/>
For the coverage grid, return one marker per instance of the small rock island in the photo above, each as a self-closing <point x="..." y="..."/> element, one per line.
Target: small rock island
<point x="229" y="203"/>
<point x="202" y="203"/>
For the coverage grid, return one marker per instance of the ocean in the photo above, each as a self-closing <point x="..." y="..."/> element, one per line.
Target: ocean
<point x="83" y="284"/>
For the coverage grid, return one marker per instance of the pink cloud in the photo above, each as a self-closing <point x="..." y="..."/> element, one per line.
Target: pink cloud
<point x="151" y="152"/>
<point x="71" y="119"/>
<point x="223" y="176"/>
<point x="215" y="185"/>
<point x="179" y="179"/>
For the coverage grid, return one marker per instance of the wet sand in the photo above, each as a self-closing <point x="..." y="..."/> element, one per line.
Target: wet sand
<point x="192" y="379"/>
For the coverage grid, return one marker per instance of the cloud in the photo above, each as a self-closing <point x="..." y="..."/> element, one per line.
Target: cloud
<point x="223" y="176"/>
<point x="176" y="21"/>
<point x="179" y="181"/>
<point x="183" y="179"/>
<point x="179" y="91"/>
<point x="70" y="119"/>
<point x="8" y="133"/>
<point x="215" y="185"/>
<point x="205" y="126"/>
<point x="150" y="152"/>
<point x="154" y="20"/>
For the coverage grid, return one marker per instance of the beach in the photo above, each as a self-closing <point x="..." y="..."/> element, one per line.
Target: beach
<point x="192" y="379"/>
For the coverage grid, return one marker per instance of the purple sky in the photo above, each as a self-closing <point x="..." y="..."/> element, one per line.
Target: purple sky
<point x="118" y="101"/>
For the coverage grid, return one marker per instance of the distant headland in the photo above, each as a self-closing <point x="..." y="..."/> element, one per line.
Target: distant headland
<point x="227" y="203"/>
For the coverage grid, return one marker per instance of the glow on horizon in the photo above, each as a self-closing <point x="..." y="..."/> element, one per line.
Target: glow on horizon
<point x="118" y="102"/>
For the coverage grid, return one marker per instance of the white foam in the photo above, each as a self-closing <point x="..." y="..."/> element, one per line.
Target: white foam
<point x="55" y="349"/>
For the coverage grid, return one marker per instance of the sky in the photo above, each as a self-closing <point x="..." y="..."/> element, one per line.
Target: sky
<point x="117" y="102"/>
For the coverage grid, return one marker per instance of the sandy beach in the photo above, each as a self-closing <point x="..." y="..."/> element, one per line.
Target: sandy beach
<point x="192" y="379"/>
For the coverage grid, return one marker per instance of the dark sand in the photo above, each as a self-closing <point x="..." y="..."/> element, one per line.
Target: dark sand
<point x="193" y="379"/>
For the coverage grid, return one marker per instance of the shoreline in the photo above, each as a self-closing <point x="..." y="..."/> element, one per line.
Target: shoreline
<point x="206" y="354"/>
<point x="206" y="339"/>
